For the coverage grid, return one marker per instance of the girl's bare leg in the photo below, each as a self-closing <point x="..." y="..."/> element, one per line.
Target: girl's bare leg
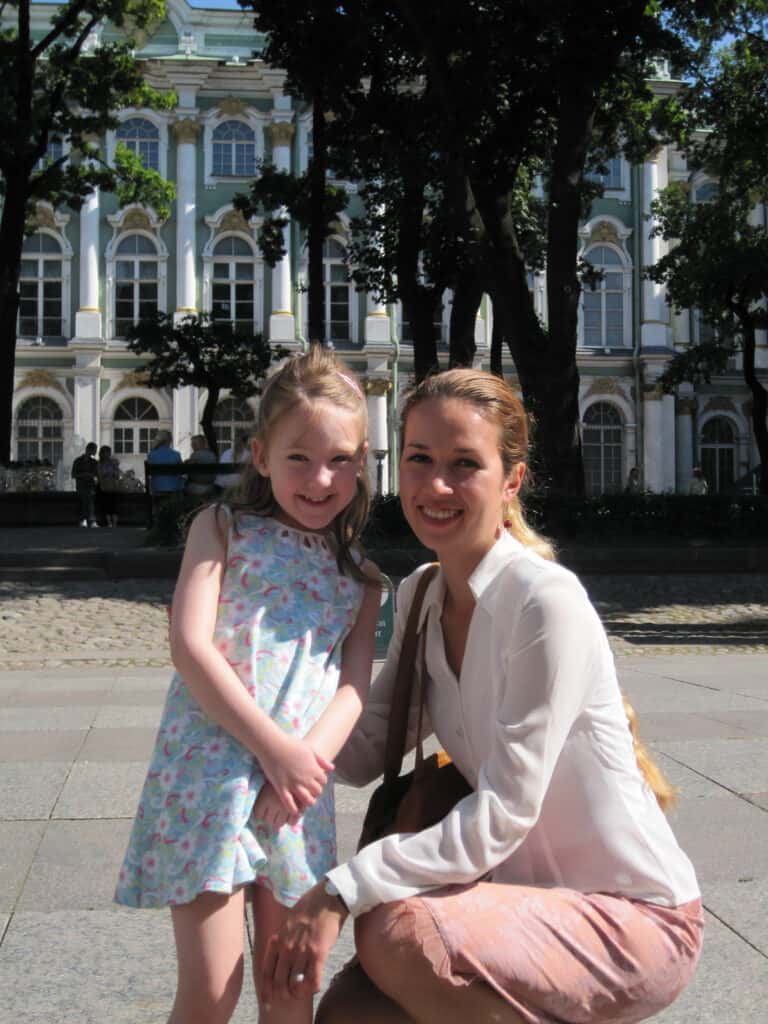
<point x="209" y="947"/>
<point x="268" y="916"/>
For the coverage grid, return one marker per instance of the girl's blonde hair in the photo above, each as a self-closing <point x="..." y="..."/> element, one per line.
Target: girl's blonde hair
<point x="495" y="400"/>
<point x="303" y="380"/>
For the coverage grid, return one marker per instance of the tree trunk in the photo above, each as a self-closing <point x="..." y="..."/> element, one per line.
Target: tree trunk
<point x="206" y="420"/>
<point x="759" y="397"/>
<point x="467" y="296"/>
<point x="318" y="229"/>
<point x="497" y="349"/>
<point x="11" y="241"/>
<point x="419" y="302"/>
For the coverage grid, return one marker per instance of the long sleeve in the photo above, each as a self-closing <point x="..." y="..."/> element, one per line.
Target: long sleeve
<point x="530" y="659"/>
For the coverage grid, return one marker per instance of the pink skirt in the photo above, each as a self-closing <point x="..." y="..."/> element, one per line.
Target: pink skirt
<point x="556" y="955"/>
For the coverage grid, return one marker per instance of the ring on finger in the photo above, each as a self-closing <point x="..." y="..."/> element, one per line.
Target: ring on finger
<point x="298" y="977"/>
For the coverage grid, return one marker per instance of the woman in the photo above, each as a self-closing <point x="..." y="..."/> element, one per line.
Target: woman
<point x="108" y="470"/>
<point x="556" y="891"/>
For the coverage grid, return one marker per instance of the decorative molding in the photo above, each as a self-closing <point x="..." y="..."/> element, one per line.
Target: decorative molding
<point x="605" y="386"/>
<point x="377" y="386"/>
<point x="134" y="218"/>
<point x="46" y="217"/>
<point x="186" y="130"/>
<point x="281" y="133"/>
<point x="137" y="220"/>
<point x="233" y="220"/>
<point x="133" y="379"/>
<point x="232" y="105"/>
<point x="720" y="405"/>
<point x="40" y="379"/>
<point x="653" y="392"/>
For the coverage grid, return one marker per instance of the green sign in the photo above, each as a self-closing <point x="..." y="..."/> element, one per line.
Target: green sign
<point x="386" y="623"/>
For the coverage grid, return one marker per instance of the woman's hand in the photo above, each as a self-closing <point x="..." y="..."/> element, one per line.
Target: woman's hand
<point x="297" y="772"/>
<point x="295" y="955"/>
<point x="269" y="809"/>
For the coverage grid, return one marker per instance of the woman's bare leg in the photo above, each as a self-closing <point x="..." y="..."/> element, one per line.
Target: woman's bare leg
<point x="209" y="948"/>
<point x="268" y="916"/>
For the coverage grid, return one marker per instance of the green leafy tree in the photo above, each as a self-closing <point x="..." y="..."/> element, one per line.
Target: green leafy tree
<point x="718" y="263"/>
<point x="204" y="353"/>
<point x="59" y="88"/>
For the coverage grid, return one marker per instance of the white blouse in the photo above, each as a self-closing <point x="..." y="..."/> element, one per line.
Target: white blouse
<point x="536" y="725"/>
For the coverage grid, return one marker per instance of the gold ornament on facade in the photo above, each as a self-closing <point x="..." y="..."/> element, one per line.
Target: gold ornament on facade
<point x="186" y="130"/>
<point x="233" y="220"/>
<point x="604" y="232"/>
<point x="653" y="392"/>
<point x="282" y="133"/>
<point x="720" y="405"/>
<point x="605" y="386"/>
<point x="133" y="379"/>
<point x="232" y="105"/>
<point x="685" y="406"/>
<point x="44" y="217"/>
<point x="40" y="379"/>
<point x="377" y="386"/>
<point x="137" y="220"/>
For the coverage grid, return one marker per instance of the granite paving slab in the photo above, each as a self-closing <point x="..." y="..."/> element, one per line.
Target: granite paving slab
<point x="730" y="986"/>
<point x="19" y="841"/>
<point x="679" y="725"/>
<point x="45" y="718"/>
<point x="738" y="765"/>
<point x="57" y="698"/>
<point x="725" y="838"/>
<point x="41" y="746"/>
<point x="746" y="672"/>
<point x="141" y="717"/>
<point x="129" y="744"/>
<point x="99" y="790"/>
<point x="76" y="866"/>
<point x="28" y="792"/>
<point x="743" y="907"/>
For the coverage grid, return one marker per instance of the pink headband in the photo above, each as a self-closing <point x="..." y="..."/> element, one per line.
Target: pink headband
<point x="353" y="384"/>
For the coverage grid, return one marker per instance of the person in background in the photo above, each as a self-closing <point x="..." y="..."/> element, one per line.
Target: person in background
<point x="239" y="455"/>
<point x="199" y="485"/>
<point x="698" y="484"/>
<point x="163" y="487"/>
<point x="108" y="469"/>
<point x="633" y="481"/>
<point x="85" y="474"/>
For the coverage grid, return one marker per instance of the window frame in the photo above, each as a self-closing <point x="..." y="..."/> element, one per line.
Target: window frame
<point x="154" y="118"/>
<point x="40" y="439"/>
<point x="65" y="258"/>
<point x="121" y="232"/>
<point x="625" y="269"/>
<point x="616" y="485"/>
<point x="255" y="120"/>
<point x="257" y="281"/>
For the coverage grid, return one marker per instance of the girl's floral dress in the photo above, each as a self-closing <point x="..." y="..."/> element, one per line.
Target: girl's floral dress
<point x="284" y="612"/>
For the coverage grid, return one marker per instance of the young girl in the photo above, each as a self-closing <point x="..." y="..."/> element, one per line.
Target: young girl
<point x="272" y="638"/>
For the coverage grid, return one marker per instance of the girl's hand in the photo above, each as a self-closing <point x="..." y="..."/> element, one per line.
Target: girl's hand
<point x="297" y="773"/>
<point x="270" y="810"/>
<point x="301" y="947"/>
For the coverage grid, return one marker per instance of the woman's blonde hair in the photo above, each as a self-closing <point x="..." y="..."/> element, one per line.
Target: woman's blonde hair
<point x="495" y="400"/>
<point x="303" y="380"/>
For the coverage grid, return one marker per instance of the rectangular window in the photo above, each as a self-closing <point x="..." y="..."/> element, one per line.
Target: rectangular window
<point x="123" y="440"/>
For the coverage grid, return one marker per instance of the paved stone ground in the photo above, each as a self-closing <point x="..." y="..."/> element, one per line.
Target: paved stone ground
<point x="123" y="623"/>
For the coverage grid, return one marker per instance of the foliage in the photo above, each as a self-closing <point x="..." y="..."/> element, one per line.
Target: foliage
<point x="63" y="88"/>
<point x="719" y="253"/>
<point x="204" y="353"/>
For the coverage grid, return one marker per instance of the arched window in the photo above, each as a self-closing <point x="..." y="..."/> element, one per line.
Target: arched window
<point x="142" y="138"/>
<point x="136" y="282"/>
<point x="41" y="288"/>
<point x="602" y="448"/>
<point x="234" y="286"/>
<point x="39" y="432"/>
<point x="232" y="418"/>
<point x="718" y="453"/>
<point x="338" y="293"/>
<point x="135" y="426"/>
<point x="611" y="180"/>
<point x="603" y="309"/>
<point x="234" y="150"/>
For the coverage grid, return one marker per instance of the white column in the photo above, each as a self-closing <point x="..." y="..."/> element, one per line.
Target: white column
<point x="376" y="322"/>
<point x="658" y="439"/>
<point x="87" y="398"/>
<point x="684" y="410"/>
<point x="186" y="132"/>
<point x="281" y="323"/>
<point x="185" y="418"/>
<point x="655" y="316"/>
<point x="377" y="389"/>
<point x="88" y="317"/>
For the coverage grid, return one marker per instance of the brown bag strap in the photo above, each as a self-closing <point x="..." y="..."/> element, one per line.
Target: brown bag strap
<point x="401" y="694"/>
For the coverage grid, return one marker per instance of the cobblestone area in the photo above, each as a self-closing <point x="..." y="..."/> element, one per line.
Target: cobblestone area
<point x="123" y="623"/>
